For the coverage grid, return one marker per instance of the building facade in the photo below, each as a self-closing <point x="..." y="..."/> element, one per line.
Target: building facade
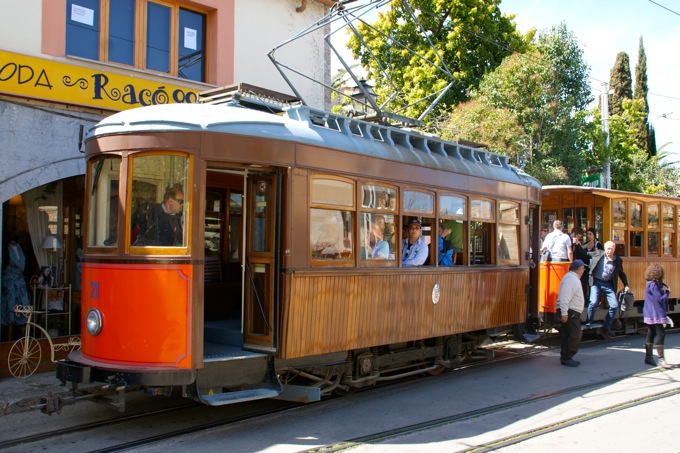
<point x="66" y="64"/>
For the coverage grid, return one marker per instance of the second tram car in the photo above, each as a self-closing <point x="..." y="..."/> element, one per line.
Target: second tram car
<point x="644" y="228"/>
<point x="231" y="252"/>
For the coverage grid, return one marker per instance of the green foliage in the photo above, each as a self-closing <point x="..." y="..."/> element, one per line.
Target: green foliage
<point x="641" y="92"/>
<point x="470" y="38"/>
<point x="620" y="83"/>
<point x="541" y="98"/>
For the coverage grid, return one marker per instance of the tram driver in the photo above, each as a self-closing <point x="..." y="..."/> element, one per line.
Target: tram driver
<point x="414" y="250"/>
<point x="160" y="224"/>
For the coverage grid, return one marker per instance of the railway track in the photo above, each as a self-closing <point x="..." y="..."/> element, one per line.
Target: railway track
<point x="515" y="438"/>
<point x="184" y="419"/>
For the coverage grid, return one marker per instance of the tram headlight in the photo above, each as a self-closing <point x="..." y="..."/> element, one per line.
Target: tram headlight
<point x="93" y="321"/>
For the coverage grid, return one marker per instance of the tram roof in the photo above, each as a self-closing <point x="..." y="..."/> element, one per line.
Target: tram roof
<point x="302" y="124"/>
<point x="607" y="193"/>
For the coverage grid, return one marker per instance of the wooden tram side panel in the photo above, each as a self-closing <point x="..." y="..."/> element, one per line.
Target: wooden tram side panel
<point x="352" y="309"/>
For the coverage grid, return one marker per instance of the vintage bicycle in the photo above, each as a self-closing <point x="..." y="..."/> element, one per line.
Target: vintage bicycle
<point x="25" y="354"/>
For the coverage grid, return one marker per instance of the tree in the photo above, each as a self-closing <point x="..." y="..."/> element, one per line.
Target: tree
<point x="641" y="92"/>
<point x="469" y="38"/>
<point x="620" y="83"/>
<point x="546" y="93"/>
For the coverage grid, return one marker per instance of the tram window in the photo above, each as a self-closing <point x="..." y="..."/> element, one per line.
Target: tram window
<point x="507" y="239"/>
<point x="418" y="202"/>
<point x="334" y="192"/>
<point x="214" y="220"/>
<point x="635" y="215"/>
<point x="481" y="241"/>
<point x="548" y="218"/>
<point x="653" y="243"/>
<point x="453" y="213"/>
<point x="653" y="216"/>
<point x="568" y="219"/>
<point x="235" y="216"/>
<point x="635" y="244"/>
<point x="482" y="209"/>
<point x="482" y="235"/>
<point x="104" y="176"/>
<point x="668" y="216"/>
<point x="597" y="223"/>
<point x="158" y="202"/>
<point x="377" y="237"/>
<point x="619" y="214"/>
<point x="582" y="218"/>
<point x="331" y="234"/>
<point x="669" y="229"/>
<point x="451" y="206"/>
<point x="379" y="197"/>
<point x="668" y="244"/>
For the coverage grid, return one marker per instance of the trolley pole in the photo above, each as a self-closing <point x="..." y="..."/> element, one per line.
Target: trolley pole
<point x="605" y="129"/>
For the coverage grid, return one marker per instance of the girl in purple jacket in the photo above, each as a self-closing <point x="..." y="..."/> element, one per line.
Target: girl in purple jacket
<point x="655" y="313"/>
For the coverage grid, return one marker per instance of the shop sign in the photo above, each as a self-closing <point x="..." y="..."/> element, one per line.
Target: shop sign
<point x="38" y="78"/>
<point x="592" y="180"/>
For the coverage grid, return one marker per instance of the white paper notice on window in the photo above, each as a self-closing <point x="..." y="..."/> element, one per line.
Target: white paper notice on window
<point x="82" y="15"/>
<point x="189" y="38"/>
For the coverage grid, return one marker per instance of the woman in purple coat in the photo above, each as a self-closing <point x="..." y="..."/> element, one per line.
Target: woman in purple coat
<point x="655" y="313"/>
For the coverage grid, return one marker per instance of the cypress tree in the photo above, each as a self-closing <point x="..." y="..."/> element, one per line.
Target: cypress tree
<point x="620" y="81"/>
<point x="641" y="92"/>
<point x="651" y="141"/>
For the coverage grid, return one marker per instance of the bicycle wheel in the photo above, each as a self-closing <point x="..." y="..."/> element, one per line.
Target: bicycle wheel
<point x="24" y="357"/>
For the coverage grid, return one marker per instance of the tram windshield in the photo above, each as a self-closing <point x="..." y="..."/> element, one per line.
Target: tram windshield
<point x="104" y="173"/>
<point x="158" y="201"/>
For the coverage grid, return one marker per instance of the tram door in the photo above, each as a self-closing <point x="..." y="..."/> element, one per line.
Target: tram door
<point x="260" y="266"/>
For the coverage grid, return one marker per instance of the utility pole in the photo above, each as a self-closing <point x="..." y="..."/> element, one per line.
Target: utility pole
<point x="605" y="129"/>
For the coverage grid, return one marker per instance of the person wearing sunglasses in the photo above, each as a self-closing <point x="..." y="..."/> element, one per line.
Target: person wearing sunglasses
<point x="160" y="224"/>
<point x="414" y="249"/>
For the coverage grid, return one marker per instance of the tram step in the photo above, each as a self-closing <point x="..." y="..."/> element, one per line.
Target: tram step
<point x="219" y="399"/>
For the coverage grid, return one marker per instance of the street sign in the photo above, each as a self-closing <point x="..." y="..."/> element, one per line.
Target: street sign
<point x="592" y="180"/>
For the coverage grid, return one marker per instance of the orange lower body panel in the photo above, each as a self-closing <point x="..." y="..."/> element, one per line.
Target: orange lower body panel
<point x="146" y="315"/>
<point x="551" y="276"/>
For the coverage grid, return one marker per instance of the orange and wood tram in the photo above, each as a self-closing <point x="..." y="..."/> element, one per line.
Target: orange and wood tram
<point x="241" y="254"/>
<point x="645" y="229"/>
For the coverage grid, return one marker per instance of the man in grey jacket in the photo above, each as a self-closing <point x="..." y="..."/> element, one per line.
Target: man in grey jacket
<point x="606" y="269"/>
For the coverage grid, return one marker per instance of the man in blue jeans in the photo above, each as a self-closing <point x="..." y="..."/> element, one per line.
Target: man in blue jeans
<point x="606" y="269"/>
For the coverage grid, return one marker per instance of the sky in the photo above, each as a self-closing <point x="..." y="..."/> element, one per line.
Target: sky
<point x="603" y="28"/>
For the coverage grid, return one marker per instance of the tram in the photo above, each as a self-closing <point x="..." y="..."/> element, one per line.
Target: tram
<point x="644" y="228"/>
<point x="264" y="283"/>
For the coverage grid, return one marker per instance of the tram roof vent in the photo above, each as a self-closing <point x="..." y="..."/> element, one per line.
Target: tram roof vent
<point x="249" y="96"/>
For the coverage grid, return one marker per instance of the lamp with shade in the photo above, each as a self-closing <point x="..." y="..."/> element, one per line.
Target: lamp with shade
<point x="52" y="243"/>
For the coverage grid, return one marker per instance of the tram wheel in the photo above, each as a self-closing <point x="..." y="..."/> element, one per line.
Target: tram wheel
<point x="24" y="357"/>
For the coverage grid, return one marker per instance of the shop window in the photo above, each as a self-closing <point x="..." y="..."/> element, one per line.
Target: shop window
<point x="331" y="222"/>
<point x="158" y="204"/>
<point x="103" y="192"/>
<point x="168" y="37"/>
